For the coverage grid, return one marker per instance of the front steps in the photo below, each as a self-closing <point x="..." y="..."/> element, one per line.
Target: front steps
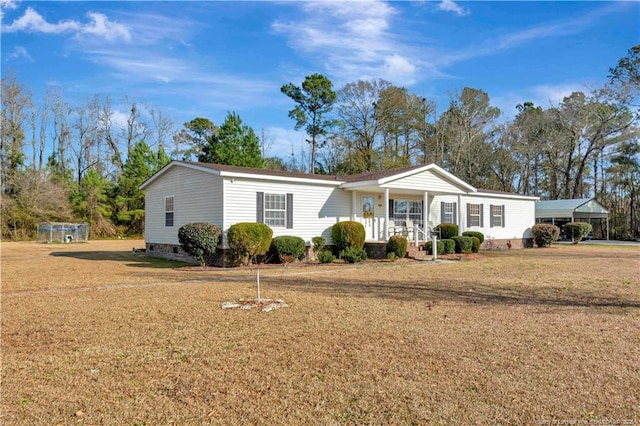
<point x="418" y="252"/>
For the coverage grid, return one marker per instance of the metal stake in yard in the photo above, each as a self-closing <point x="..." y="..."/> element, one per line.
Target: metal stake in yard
<point x="434" y="246"/>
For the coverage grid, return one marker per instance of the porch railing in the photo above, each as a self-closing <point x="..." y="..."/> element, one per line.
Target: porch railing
<point x="416" y="234"/>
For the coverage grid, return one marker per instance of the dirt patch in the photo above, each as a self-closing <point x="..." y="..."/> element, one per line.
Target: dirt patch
<point x="511" y="337"/>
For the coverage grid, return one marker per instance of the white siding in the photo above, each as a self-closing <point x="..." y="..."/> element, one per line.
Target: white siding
<point x="197" y="198"/>
<point x="316" y="207"/>
<point x="424" y="181"/>
<point x="520" y="216"/>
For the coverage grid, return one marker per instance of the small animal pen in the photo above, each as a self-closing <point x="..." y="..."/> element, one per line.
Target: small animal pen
<point x="57" y="232"/>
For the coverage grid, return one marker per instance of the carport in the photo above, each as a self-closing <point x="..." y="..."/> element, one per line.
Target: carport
<point x="560" y="212"/>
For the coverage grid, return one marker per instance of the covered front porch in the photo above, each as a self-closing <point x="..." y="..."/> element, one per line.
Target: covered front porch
<point x="410" y="203"/>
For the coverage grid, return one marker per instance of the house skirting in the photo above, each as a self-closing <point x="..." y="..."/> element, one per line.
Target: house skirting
<point x="503" y="244"/>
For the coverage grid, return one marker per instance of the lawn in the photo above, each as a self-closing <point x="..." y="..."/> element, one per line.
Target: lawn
<point x="95" y="334"/>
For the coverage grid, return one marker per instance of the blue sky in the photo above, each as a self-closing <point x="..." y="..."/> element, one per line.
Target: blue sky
<point x="202" y="59"/>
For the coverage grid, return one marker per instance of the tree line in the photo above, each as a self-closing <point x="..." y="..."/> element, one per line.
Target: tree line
<point x="85" y="162"/>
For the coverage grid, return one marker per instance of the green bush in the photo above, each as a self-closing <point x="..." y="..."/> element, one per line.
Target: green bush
<point x="449" y="246"/>
<point x="576" y="231"/>
<point x="248" y="240"/>
<point x="318" y="243"/>
<point x="349" y="234"/>
<point x="287" y="248"/>
<point x="478" y="235"/>
<point x="428" y="246"/>
<point x="200" y="240"/>
<point x="353" y="255"/>
<point x="447" y="230"/>
<point x="544" y="234"/>
<point x="475" y="246"/>
<point x="325" y="256"/>
<point x="392" y="256"/>
<point x="463" y="244"/>
<point x="398" y="245"/>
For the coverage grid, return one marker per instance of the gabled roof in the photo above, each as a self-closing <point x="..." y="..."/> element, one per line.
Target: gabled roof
<point x="569" y="206"/>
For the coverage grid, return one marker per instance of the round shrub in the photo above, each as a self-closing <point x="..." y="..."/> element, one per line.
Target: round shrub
<point x="398" y="245"/>
<point x="463" y="244"/>
<point x="576" y="231"/>
<point x="428" y="247"/>
<point x="348" y="234"/>
<point x="447" y="230"/>
<point x="475" y="244"/>
<point x="478" y="235"/>
<point x="449" y="246"/>
<point x="325" y="256"/>
<point x="544" y="234"/>
<point x="200" y="240"/>
<point x="247" y="240"/>
<point x="287" y="248"/>
<point x="353" y="255"/>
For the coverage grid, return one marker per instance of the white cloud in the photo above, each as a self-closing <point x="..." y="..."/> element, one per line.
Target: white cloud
<point x="354" y="40"/>
<point x="98" y="25"/>
<point x="452" y="6"/>
<point x="549" y="95"/>
<point x="20" y="52"/>
<point x="8" y="5"/>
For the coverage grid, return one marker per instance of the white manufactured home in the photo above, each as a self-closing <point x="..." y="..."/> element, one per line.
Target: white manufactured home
<point x="411" y="201"/>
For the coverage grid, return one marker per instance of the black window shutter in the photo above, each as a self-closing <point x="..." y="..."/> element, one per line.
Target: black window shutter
<point x="260" y="207"/>
<point x="468" y="215"/>
<point x="390" y="208"/>
<point x="491" y="215"/>
<point x="442" y="212"/>
<point x="504" y="217"/>
<point x="455" y="213"/>
<point x="481" y="215"/>
<point x="289" y="211"/>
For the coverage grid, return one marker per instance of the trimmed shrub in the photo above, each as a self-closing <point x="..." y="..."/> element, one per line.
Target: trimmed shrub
<point x="428" y="246"/>
<point x="463" y="244"/>
<point x="544" y="234"/>
<point x="325" y="256"/>
<point x="247" y="240"/>
<point x="349" y="234"/>
<point x="318" y="243"/>
<point x="576" y="231"/>
<point x="353" y="255"/>
<point x="449" y="246"/>
<point x="287" y="248"/>
<point x="478" y="235"/>
<point x="200" y="240"/>
<point x="398" y="245"/>
<point x="447" y="230"/>
<point x="475" y="246"/>
<point x="392" y="256"/>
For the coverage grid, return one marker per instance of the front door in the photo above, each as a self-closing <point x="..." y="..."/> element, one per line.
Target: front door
<point x="369" y="216"/>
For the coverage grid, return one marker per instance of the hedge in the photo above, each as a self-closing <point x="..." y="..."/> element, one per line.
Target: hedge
<point x="577" y="230"/>
<point x="428" y="247"/>
<point x="475" y="246"/>
<point x="478" y="235"/>
<point x="447" y="230"/>
<point x="398" y="245"/>
<point x="200" y="240"/>
<point x="348" y="234"/>
<point x="287" y="248"/>
<point x="463" y="244"/>
<point x="247" y="240"/>
<point x="449" y="246"/>
<point x="353" y="255"/>
<point x="544" y="234"/>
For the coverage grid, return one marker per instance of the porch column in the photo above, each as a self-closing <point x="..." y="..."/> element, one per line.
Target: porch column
<point x="385" y="232"/>
<point x="353" y="205"/>
<point x="425" y="213"/>
<point x="460" y="224"/>
<point x="607" y="227"/>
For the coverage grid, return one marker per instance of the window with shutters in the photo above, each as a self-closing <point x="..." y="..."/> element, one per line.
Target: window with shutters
<point x="497" y="215"/>
<point x="474" y="214"/>
<point x="168" y="211"/>
<point x="448" y="215"/>
<point x="275" y="209"/>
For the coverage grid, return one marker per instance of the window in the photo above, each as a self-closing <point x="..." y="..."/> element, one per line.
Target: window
<point x="497" y="216"/>
<point x="474" y="215"/>
<point x="448" y="213"/>
<point x="402" y="210"/>
<point x="274" y="209"/>
<point x="168" y="211"/>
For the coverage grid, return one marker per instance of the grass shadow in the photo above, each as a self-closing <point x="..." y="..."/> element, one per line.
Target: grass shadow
<point x="136" y="260"/>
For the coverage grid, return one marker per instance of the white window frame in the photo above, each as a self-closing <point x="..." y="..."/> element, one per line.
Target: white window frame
<point x="447" y="214"/>
<point x="497" y="216"/>
<point x="474" y="217"/>
<point x="270" y="209"/>
<point x="169" y="211"/>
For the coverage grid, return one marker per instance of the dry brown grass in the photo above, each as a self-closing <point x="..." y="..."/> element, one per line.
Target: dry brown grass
<point x="94" y="334"/>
